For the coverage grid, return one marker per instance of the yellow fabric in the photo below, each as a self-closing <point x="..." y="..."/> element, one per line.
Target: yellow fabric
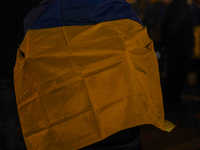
<point x="77" y="85"/>
<point x="169" y="126"/>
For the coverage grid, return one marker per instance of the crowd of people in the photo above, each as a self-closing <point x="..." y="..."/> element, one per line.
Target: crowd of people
<point x="171" y="25"/>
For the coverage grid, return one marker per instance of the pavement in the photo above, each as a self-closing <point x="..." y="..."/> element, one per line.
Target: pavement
<point x="185" y="136"/>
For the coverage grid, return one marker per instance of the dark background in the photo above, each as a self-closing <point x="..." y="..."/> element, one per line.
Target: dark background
<point x="12" y="15"/>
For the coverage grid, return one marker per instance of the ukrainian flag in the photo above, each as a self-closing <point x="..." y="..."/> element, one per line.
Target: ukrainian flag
<point x="85" y="70"/>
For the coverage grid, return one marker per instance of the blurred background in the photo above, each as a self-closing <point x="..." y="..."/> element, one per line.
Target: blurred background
<point x="174" y="27"/>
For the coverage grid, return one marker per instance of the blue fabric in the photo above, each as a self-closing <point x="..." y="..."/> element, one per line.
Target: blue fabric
<point x="55" y="13"/>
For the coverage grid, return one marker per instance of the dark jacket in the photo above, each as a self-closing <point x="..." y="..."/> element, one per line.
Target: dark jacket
<point x="177" y="39"/>
<point x="177" y="28"/>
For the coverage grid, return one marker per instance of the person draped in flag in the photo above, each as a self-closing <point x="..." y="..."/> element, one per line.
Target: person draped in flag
<point x="86" y="76"/>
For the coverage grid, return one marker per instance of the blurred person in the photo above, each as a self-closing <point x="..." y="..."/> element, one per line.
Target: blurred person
<point x="189" y="2"/>
<point x="152" y="20"/>
<point x="191" y="87"/>
<point x="177" y="37"/>
<point x="87" y="80"/>
<point x="139" y="6"/>
<point x="167" y="1"/>
<point x="195" y="9"/>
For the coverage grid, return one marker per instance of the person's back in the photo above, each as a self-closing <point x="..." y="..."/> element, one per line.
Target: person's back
<point x="86" y="72"/>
